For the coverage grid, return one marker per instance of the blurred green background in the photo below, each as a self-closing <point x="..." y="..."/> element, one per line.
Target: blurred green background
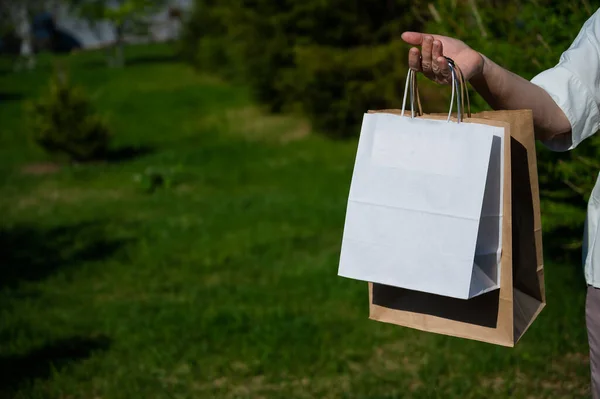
<point x="170" y="222"/>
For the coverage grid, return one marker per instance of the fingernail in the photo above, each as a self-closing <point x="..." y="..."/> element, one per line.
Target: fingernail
<point x="436" y="43"/>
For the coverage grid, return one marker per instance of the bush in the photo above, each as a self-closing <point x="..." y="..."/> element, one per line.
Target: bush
<point x="334" y="60"/>
<point x="337" y="86"/>
<point x="259" y="41"/>
<point x="63" y="123"/>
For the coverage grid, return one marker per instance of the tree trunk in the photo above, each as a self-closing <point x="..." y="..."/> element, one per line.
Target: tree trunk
<point x="119" y="48"/>
<point x="119" y="54"/>
<point x="110" y="62"/>
<point x="27" y="56"/>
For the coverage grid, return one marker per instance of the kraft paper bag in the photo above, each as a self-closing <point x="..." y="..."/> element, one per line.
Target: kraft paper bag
<point x="500" y="316"/>
<point x="424" y="210"/>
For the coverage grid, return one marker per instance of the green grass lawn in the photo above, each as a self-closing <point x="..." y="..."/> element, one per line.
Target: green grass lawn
<point x="222" y="284"/>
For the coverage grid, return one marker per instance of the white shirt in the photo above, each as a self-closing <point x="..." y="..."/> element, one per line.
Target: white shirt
<point x="574" y="84"/>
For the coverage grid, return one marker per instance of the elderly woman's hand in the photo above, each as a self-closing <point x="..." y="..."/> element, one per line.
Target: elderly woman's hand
<point x="430" y="59"/>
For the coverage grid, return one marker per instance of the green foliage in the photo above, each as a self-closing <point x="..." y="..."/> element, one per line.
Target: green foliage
<point x="527" y="38"/>
<point x="337" y="86"/>
<point x="319" y="57"/>
<point x="11" y="12"/>
<point x="155" y="178"/>
<point x="63" y="122"/>
<point x="126" y="16"/>
<point x="224" y="286"/>
<point x="118" y="12"/>
<point x="333" y="60"/>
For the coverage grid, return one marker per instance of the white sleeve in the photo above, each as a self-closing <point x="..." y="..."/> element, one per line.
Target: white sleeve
<point x="574" y="84"/>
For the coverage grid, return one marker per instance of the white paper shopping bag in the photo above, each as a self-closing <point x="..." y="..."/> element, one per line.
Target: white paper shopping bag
<point x="425" y="206"/>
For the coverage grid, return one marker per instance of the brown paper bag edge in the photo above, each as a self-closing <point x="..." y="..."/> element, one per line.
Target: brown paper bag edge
<point x="525" y="136"/>
<point x="530" y="145"/>
<point x="441" y="326"/>
<point x="539" y="306"/>
<point x="526" y="309"/>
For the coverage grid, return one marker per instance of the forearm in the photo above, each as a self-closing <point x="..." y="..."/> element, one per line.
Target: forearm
<point x="503" y="89"/>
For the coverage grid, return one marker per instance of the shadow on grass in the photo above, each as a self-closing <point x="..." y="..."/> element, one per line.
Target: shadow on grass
<point x="128" y="153"/>
<point x="152" y="59"/>
<point x="32" y="254"/>
<point x="6" y="65"/>
<point x="39" y="363"/>
<point x="131" y="60"/>
<point x="10" y="96"/>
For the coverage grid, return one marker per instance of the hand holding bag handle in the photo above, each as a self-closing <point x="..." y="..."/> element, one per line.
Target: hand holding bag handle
<point x="458" y="89"/>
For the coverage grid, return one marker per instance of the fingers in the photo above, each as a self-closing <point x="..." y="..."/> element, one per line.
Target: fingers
<point x="414" y="59"/>
<point x="426" y="52"/>
<point x="436" y="53"/>
<point x="440" y="67"/>
<point x="430" y="59"/>
<point x="443" y="74"/>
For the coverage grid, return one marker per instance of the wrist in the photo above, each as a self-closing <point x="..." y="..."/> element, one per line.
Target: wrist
<point x="489" y="82"/>
<point x="483" y="68"/>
